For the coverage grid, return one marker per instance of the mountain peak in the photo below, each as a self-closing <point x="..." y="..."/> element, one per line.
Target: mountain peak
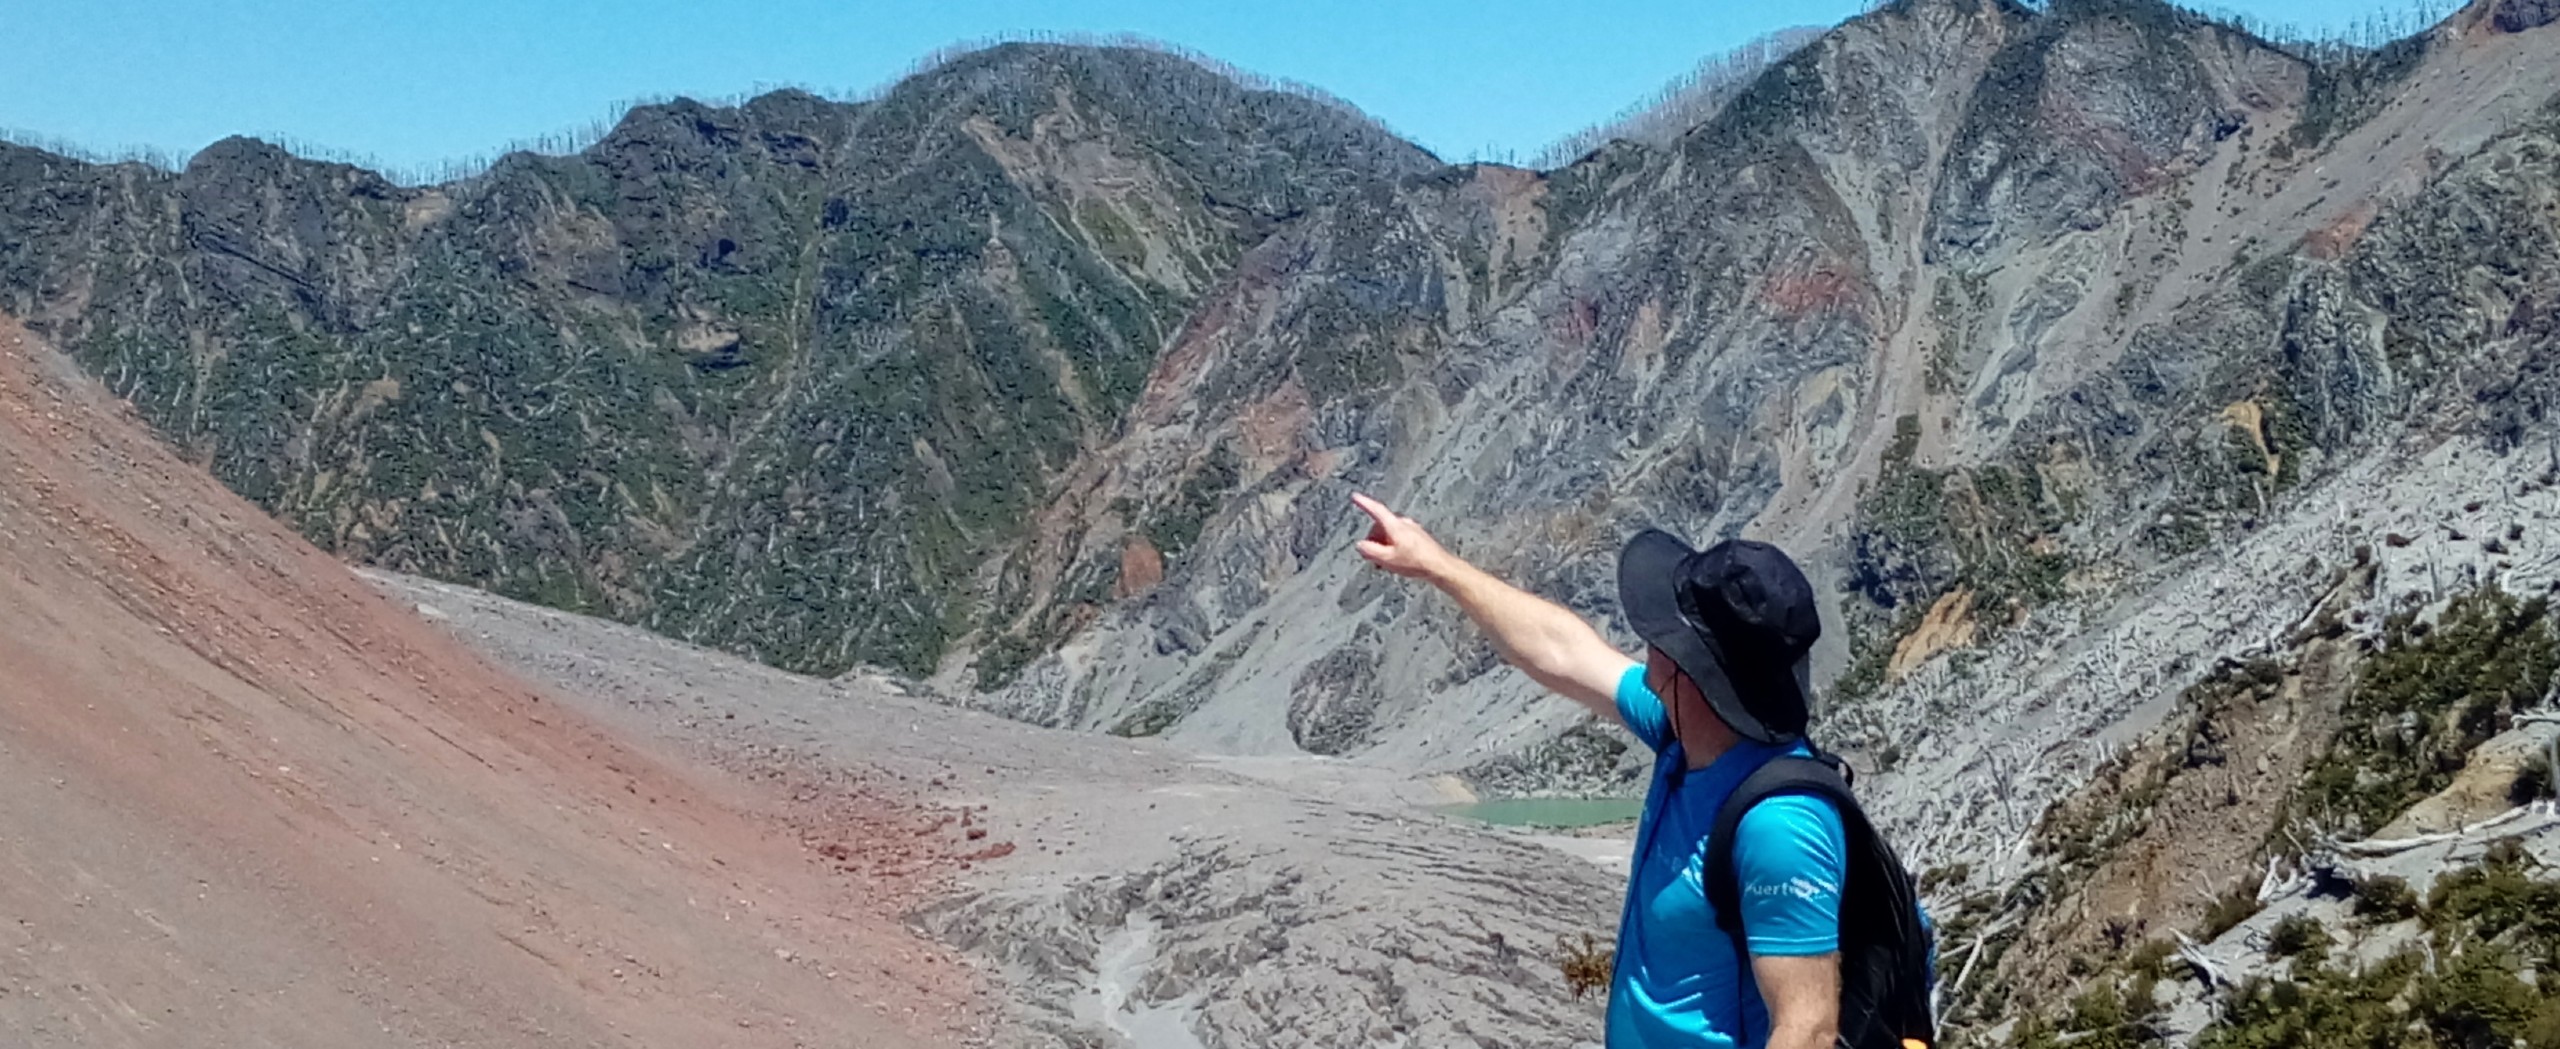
<point x="241" y="151"/>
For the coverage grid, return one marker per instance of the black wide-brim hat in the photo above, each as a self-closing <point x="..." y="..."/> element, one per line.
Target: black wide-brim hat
<point x="1737" y="617"/>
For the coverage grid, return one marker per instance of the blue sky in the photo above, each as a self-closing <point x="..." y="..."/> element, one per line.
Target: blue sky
<point x="417" y="83"/>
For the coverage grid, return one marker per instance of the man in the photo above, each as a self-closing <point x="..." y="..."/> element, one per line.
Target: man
<point x="1723" y="688"/>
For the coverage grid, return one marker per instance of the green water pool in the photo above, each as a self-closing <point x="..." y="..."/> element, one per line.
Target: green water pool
<point x="1550" y="812"/>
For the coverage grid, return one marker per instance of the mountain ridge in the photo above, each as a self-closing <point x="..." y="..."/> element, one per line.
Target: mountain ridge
<point x="641" y="243"/>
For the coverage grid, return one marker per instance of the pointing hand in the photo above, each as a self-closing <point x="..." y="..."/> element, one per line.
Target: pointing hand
<point x="1397" y="544"/>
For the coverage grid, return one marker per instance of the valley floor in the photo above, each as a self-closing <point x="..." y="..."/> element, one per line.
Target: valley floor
<point x="1125" y="888"/>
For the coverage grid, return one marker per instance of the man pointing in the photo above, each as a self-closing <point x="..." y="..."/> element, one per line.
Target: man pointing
<point x="1722" y="689"/>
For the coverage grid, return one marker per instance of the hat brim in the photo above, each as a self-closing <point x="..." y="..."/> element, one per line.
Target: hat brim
<point x="1649" y="572"/>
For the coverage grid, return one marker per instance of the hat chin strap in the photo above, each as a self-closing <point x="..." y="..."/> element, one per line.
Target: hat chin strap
<point x="1743" y="722"/>
<point x="1701" y="751"/>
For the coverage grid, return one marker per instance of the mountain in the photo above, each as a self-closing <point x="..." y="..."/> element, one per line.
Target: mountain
<point x="1994" y="312"/>
<point x="776" y="377"/>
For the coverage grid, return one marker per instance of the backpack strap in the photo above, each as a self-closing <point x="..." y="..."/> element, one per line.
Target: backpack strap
<point x="1886" y="949"/>
<point x="1822" y="775"/>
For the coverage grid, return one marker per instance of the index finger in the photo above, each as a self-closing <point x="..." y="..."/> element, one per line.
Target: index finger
<point x="1376" y="510"/>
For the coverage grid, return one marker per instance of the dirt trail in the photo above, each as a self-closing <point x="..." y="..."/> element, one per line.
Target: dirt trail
<point x="244" y="800"/>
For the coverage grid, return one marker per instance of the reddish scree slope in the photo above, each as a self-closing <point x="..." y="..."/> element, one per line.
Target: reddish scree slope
<point x="246" y="801"/>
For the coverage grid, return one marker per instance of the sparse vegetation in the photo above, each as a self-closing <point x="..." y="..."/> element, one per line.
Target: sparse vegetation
<point x="2114" y="1011"/>
<point x="1178" y="522"/>
<point x="2504" y="898"/>
<point x="1870" y="659"/>
<point x="686" y="376"/>
<point x="1924" y="532"/>
<point x="1149" y="719"/>
<point x="1682" y="104"/>
<point x="2385" y="898"/>
<point x="2486" y="926"/>
<point x="2424" y="701"/>
<point x="1973" y="935"/>
<point x="1587" y="965"/>
<point x="2085" y="832"/>
<point x="2534" y="781"/>
<point x="2154" y="958"/>
<point x="1937" y="877"/>
<point x="2348" y="88"/>
<point x="2429" y="691"/>
<point x="2538" y="779"/>
<point x="2486" y="653"/>
<point x="1162" y="711"/>
<point x="2296" y="935"/>
<point x="2325" y="1007"/>
<point x="2265" y="279"/>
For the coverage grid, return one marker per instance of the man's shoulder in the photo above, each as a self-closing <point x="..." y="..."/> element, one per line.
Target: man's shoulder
<point x="1790" y="866"/>
<point x="1791" y="812"/>
<point x="1792" y="829"/>
<point x="1792" y="777"/>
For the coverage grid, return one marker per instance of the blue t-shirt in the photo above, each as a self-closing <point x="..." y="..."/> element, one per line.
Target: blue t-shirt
<point x="1679" y="981"/>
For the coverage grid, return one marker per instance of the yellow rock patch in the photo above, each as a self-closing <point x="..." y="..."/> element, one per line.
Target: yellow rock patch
<point x="1949" y="625"/>
<point x="2251" y="419"/>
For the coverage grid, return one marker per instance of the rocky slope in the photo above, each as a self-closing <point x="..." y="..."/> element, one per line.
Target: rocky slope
<point x="249" y="801"/>
<point x="2003" y="313"/>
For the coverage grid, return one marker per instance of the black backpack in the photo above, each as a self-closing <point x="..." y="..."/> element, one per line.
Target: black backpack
<point x="1885" y="957"/>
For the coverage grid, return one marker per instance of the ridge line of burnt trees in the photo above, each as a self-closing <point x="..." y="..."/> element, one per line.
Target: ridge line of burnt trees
<point x="1681" y="103"/>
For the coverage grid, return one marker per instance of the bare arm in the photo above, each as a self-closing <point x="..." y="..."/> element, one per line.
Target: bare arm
<point x="1803" y="995"/>
<point x="1554" y="646"/>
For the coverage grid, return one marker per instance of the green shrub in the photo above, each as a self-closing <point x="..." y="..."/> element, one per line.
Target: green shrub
<point x="2105" y="1015"/>
<point x="2545" y="1026"/>
<point x="1951" y="874"/>
<point x="2151" y="958"/>
<point x="2498" y="898"/>
<point x="1179" y="520"/>
<point x="2297" y="934"/>
<point x="2486" y="924"/>
<point x="2325" y="1007"/>
<point x="2475" y="999"/>
<point x="1148" y="719"/>
<point x="2385" y="898"/>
